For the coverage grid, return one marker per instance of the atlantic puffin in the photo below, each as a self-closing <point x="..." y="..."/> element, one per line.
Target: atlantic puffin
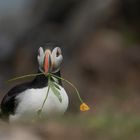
<point x="23" y="101"/>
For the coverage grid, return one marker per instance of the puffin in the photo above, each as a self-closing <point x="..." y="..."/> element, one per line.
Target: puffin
<point x="23" y="101"/>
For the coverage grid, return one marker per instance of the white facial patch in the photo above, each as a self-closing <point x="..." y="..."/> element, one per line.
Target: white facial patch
<point x="41" y="57"/>
<point x="56" y="60"/>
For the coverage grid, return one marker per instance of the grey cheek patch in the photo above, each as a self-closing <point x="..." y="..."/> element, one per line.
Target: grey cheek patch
<point x="40" y="57"/>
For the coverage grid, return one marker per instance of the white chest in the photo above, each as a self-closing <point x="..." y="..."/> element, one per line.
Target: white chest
<point x="31" y="100"/>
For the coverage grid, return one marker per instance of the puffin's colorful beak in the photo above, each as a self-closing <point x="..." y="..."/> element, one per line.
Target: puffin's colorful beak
<point x="47" y="61"/>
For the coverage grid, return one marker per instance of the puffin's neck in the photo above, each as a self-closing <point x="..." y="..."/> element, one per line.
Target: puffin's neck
<point x="41" y="81"/>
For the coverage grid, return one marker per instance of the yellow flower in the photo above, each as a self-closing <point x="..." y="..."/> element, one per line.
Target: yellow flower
<point x="84" y="107"/>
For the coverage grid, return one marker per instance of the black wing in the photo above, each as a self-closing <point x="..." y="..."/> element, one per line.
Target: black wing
<point x="9" y="102"/>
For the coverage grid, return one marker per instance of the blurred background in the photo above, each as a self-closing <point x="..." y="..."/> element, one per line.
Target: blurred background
<point x="100" y="40"/>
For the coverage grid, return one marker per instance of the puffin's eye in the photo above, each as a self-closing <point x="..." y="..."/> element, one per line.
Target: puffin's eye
<point x="58" y="52"/>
